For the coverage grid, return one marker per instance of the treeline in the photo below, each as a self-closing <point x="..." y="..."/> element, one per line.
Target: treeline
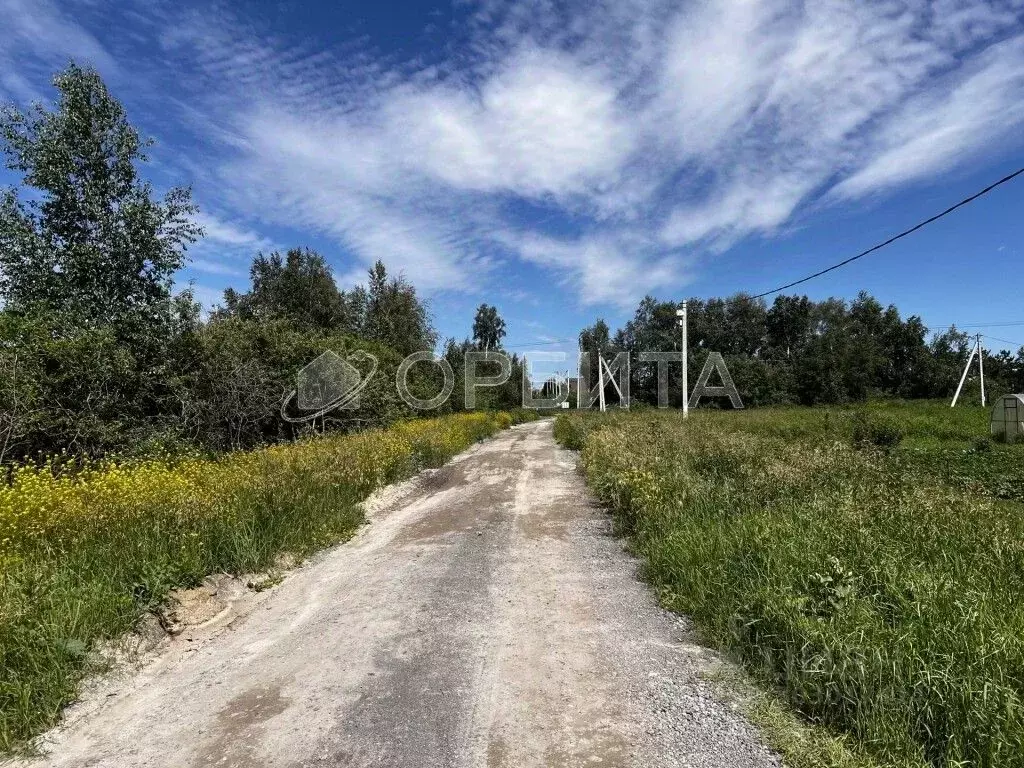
<point x="98" y="353"/>
<point x="799" y="351"/>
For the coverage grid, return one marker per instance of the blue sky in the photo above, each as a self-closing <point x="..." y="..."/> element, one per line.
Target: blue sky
<point x="561" y="160"/>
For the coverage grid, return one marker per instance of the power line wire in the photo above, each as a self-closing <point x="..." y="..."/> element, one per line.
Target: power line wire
<point x="1005" y="341"/>
<point x="983" y="335"/>
<point x="992" y="325"/>
<point x="1013" y="323"/>
<point x="894" y="238"/>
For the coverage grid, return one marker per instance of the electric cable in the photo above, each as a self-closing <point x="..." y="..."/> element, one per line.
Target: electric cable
<point x="894" y="238"/>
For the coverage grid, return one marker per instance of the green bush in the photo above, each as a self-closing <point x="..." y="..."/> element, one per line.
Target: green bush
<point x="876" y="431"/>
<point x="982" y="444"/>
<point x="523" y="415"/>
<point x="570" y="431"/>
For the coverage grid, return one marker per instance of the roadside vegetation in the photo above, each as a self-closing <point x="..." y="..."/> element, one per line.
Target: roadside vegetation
<point x="85" y="554"/>
<point x="866" y="563"/>
<point x="143" y="442"/>
<point x="103" y="354"/>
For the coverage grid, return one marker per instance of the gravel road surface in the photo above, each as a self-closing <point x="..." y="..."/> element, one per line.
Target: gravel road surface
<point x="485" y="617"/>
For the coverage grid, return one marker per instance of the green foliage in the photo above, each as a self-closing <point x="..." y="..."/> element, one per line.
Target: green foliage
<point x="78" y="390"/>
<point x="521" y="415"/>
<point x="799" y="351"/>
<point x="87" y="255"/>
<point x="395" y="316"/>
<point x="98" y="357"/>
<point x="877" y="431"/>
<point x="300" y="289"/>
<point x="506" y="397"/>
<point x="91" y="243"/>
<point x="595" y="341"/>
<point x="238" y="373"/>
<point x="878" y="592"/>
<point x="297" y="287"/>
<point x="982" y="444"/>
<point x="488" y="328"/>
<point x="83" y="558"/>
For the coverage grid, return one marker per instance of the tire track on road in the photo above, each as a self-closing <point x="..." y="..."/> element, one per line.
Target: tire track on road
<point x="484" y="618"/>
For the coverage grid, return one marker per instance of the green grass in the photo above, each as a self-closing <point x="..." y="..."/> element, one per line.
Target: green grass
<point x="83" y="558"/>
<point x="867" y="564"/>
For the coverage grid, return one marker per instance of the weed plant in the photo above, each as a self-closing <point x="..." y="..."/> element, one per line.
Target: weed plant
<point x="867" y="563"/>
<point x="83" y="555"/>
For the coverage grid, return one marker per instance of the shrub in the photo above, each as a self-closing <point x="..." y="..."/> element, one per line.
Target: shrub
<point x="876" y="431"/>
<point x="523" y="415"/>
<point x="570" y="431"/>
<point x="982" y="444"/>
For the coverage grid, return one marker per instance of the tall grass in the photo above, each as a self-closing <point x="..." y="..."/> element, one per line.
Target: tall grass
<point x="878" y="588"/>
<point x="83" y="556"/>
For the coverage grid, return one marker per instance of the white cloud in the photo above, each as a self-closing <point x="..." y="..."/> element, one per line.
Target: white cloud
<point x="612" y="269"/>
<point x="541" y="125"/>
<point x="38" y="37"/>
<point x="214" y="268"/>
<point x="663" y="134"/>
<point x="612" y="142"/>
<point x="225" y="233"/>
<point x="227" y="248"/>
<point x="874" y="93"/>
<point x="947" y="127"/>
<point x="414" y="179"/>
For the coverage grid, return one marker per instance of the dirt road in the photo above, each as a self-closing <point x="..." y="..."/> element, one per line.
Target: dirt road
<point x="485" y="617"/>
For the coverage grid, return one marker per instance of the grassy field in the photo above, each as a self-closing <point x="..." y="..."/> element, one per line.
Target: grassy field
<point x="83" y="556"/>
<point x="865" y="563"/>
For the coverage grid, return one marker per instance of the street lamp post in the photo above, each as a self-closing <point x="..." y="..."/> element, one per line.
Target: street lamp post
<point x="681" y="314"/>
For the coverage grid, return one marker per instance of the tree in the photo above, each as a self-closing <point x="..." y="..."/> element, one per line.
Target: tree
<point x="595" y="342"/>
<point x="395" y="316"/>
<point x="488" y="328"/>
<point x="949" y="352"/>
<point x="18" y="392"/>
<point x="92" y="243"/>
<point x="788" y="325"/>
<point x="798" y="351"/>
<point x="653" y="328"/>
<point x="298" y="287"/>
<point x="87" y="258"/>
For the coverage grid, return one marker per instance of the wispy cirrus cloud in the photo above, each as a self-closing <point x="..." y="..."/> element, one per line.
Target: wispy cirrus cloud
<point x="611" y="143"/>
<point x="978" y="111"/>
<point x="38" y="36"/>
<point x="660" y="132"/>
<point x="226" y="248"/>
<point x="227" y="234"/>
